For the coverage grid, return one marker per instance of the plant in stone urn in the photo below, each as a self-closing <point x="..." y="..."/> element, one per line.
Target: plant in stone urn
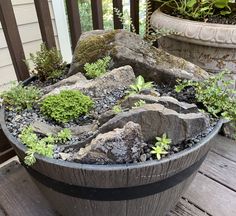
<point x="113" y="130"/>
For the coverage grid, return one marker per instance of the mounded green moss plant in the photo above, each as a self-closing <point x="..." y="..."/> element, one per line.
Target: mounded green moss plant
<point x="20" y="97"/>
<point x="98" y="68"/>
<point x="48" y="63"/>
<point x="43" y="146"/>
<point x="66" y="106"/>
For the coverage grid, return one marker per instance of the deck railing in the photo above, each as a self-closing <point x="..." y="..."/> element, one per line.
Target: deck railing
<point x="9" y="25"/>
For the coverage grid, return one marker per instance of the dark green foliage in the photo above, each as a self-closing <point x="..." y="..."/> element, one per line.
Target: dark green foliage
<point x="44" y="146"/>
<point x="215" y="93"/>
<point x="48" y="63"/>
<point x="97" y="68"/>
<point x="66" y="106"/>
<point x="198" y="10"/>
<point x="19" y="97"/>
<point x="161" y="146"/>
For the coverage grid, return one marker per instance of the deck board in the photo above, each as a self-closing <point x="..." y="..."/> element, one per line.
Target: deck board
<point x="212" y="192"/>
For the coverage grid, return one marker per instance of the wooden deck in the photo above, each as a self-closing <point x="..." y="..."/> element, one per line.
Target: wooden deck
<point x="213" y="192"/>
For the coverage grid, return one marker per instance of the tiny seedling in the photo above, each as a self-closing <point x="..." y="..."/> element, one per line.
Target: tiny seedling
<point x="161" y="146"/>
<point x="98" y="68"/>
<point x="139" y="86"/>
<point x="139" y="103"/>
<point x="117" y="109"/>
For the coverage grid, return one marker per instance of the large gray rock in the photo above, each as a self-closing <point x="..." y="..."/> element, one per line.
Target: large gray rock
<point x="115" y="79"/>
<point x="167" y="101"/>
<point x="118" y="146"/>
<point x="127" y="48"/>
<point x="155" y="120"/>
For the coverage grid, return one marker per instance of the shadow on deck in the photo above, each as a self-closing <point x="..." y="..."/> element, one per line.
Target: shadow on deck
<point x="213" y="191"/>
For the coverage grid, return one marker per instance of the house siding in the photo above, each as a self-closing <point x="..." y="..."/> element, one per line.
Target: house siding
<point x="30" y="35"/>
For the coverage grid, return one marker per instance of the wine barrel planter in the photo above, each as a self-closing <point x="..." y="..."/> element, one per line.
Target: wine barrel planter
<point x="208" y="45"/>
<point x="150" y="188"/>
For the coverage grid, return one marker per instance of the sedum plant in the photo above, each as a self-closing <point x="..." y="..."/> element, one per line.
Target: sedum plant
<point x="117" y="109"/>
<point x="215" y="93"/>
<point x="48" y="63"/>
<point x="97" y="68"/>
<point x="20" y="97"/>
<point x="44" y="146"/>
<point x="161" y="146"/>
<point x="139" y="86"/>
<point x="66" y="106"/>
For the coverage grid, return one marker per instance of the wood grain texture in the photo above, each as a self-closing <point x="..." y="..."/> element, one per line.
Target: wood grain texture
<point x="45" y="22"/>
<point x="225" y="147"/>
<point x="74" y="21"/>
<point x="211" y="196"/>
<point x="19" y="196"/>
<point x="220" y="169"/>
<point x="184" y="208"/>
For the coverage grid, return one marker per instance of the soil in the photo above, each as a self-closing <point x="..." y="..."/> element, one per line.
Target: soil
<point x="16" y="121"/>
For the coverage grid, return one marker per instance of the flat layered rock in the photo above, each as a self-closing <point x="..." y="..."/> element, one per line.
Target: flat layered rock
<point x="118" y="146"/>
<point x="117" y="78"/>
<point x="155" y="120"/>
<point x="126" y="48"/>
<point x="167" y="101"/>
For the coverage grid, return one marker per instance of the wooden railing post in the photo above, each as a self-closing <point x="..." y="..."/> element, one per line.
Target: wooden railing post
<point x="45" y="22"/>
<point x="8" y="21"/>
<point x="74" y="21"/>
<point x="134" y="14"/>
<point x="117" y="22"/>
<point x="97" y="14"/>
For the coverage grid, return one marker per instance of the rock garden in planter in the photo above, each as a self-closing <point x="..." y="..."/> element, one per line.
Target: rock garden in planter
<point x="123" y="131"/>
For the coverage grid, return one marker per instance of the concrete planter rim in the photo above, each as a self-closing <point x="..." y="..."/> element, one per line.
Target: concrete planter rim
<point x="208" y="34"/>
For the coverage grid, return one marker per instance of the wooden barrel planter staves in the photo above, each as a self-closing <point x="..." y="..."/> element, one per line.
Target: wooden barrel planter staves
<point x="149" y="188"/>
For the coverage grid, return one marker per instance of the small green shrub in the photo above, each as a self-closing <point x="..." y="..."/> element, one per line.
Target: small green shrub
<point x="139" y="103"/>
<point x="20" y="97"/>
<point x="48" y="63"/>
<point x="215" y="93"/>
<point x="44" y="146"/>
<point x="97" y="68"/>
<point x="139" y="86"/>
<point x="161" y="146"/>
<point x="66" y="106"/>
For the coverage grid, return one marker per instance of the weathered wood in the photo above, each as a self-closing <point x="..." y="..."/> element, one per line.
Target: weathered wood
<point x="184" y="208"/>
<point x="134" y="14"/>
<point x="117" y="22"/>
<point x="19" y="196"/>
<point x="7" y="154"/>
<point x="213" y="197"/>
<point x="97" y="14"/>
<point x="225" y="147"/>
<point x="45" y="22"/>
<point x="13" y="39"/>
<point x="74" y="21"/>
<point x="220" y="169"/>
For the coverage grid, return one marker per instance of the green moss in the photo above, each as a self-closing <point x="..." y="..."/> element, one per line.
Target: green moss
<point x="94" y="47"/>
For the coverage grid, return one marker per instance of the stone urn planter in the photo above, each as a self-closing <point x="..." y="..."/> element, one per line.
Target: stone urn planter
<point x="107" y="166"/>
<point x="210" y="46"/>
